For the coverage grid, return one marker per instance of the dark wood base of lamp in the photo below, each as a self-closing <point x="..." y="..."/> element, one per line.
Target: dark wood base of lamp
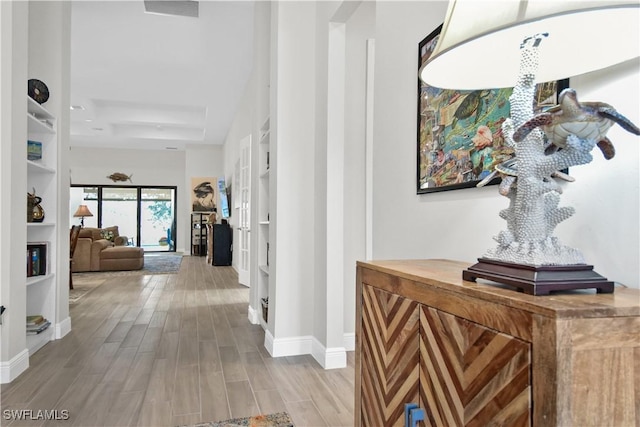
<point x="538" y="280"/>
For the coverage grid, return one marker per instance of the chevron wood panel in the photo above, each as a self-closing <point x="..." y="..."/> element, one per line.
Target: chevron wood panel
<point x="471" y="375"/>
<point x="390" y="357"/>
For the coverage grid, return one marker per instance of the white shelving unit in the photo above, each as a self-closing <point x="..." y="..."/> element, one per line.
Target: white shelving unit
<point x="42" y="177"/>
<point x="264" y="215"/>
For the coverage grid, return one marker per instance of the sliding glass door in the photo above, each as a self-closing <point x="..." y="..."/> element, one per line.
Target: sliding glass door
<point x="157" y="218"/>
<point x="120" y="207"/>
<point x="146" y="215"/>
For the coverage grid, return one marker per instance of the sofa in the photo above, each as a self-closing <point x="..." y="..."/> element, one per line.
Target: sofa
<point x="104" y="249"/>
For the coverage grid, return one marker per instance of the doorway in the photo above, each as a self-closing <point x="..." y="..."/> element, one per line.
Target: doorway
<point x="146" y="215"/>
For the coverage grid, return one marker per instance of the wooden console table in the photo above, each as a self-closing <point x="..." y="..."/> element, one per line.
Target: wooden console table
<point x="482" y="354"/>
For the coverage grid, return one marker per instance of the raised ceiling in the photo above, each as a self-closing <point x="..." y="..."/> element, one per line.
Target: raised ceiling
<point x="152" y="81"/>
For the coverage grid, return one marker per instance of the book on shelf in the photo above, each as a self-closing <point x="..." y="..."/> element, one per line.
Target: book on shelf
<point x="35" y="319"/>
<point x="36" y="329"/>
<point x="36" y="259"/>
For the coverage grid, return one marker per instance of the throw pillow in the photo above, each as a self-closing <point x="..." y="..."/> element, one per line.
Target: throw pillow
<point x="107" y="235"/>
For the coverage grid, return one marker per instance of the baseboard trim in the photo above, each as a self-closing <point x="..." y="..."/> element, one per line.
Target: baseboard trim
<point x="329" y="358"/>
<point x="349" y="341"/>
<point x="63" y="328"/>
<point x="293" y="346"/>
<point x="10" y="370"/>
<point x="268" y="341"/>
<point x="253" y="316"/>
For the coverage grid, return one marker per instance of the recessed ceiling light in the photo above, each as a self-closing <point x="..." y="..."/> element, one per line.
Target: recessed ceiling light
<point x="77" y="107"/>
<point x="88" y="120"/>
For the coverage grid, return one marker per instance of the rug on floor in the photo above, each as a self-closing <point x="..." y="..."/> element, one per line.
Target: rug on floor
<point x="279" y="419"/>
<point x="153" y="264"/>
<point x="157" y="264"/>
<point x="82" y="286"/>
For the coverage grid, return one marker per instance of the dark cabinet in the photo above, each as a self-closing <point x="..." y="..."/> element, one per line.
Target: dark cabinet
<point x="222" y="244"/>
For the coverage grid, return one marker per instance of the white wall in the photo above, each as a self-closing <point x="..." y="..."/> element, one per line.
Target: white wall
<point x="91" y="166"/>
<point x="460" y="224"/>
<point x="295" y="128"/>
<point x="360" y="27"/>
<point x="13" y="172"/>
<point x="34" y="41"/>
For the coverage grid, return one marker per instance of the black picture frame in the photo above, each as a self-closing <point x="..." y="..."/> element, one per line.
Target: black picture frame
<point x="459" y="132"/>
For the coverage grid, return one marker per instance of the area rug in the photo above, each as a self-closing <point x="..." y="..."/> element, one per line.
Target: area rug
<point x="153" y="264"/>
<point x="159" y="264"/>
<point x="279" y="419"/>
<point x="82" y="286"/>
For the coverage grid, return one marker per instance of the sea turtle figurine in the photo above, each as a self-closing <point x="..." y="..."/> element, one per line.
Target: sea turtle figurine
<point x="586" y="120"/>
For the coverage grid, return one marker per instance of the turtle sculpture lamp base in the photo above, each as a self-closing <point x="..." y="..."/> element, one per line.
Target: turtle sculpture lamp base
<point x="528" y="255"/>
<point x="538" y="280"/>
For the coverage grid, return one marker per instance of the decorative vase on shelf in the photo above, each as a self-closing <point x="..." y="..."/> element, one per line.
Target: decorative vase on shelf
<point x="38" y="211"/>
<point x="35" y="212"/>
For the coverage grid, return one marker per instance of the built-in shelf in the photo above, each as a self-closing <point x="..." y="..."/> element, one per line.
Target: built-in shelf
<point x="264" y="138"/>
<point x="264" y="214"/>
<point x="34" y="167"/>
<point x="40" y="224"/>
<point x="39" y="279"/>
<point x="37" y="110"/>
<point x="41" y="290"/>
<point x="38" y="126"/>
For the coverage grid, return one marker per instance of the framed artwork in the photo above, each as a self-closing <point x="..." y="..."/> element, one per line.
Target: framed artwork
<point x="460" y="132"/>
<point x="203" y="194"/>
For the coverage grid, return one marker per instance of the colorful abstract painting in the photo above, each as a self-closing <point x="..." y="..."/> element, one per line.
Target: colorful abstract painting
<point x="460" y="138"/>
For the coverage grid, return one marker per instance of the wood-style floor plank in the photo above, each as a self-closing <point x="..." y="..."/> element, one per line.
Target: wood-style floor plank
<point x="168" y="350"/>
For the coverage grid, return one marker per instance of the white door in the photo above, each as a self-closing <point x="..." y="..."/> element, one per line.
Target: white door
<point x="245" y="209"/>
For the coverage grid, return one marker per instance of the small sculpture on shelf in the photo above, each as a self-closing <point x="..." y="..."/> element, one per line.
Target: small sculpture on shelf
<point x="35" y="212"/>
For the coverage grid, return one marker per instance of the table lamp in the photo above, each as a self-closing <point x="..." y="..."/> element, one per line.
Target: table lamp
<point x="535" y="41"/>
<point x="82" y="211"/>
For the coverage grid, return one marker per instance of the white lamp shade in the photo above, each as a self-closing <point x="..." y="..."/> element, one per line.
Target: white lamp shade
<point x="479" y="46"/>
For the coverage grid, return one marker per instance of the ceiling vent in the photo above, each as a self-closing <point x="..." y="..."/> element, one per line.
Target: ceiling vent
<point x="172" y="7"/>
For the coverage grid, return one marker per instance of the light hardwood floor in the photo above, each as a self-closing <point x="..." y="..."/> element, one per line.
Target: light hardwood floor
<point x="170" y="350"/>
